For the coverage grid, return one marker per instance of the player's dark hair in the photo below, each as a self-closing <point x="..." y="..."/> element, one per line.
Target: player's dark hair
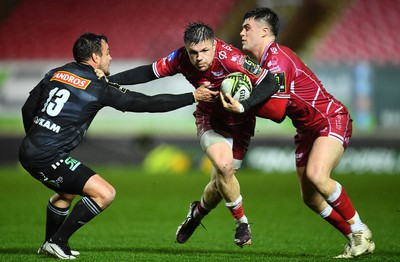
<point x="265" y="14"/>
<point x="86" y="45"/>
<point x="197" y="32"/>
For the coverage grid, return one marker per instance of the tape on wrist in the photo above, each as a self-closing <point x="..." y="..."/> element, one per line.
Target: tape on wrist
<point x="241" y="110"/>
<point x="194" y="96"/>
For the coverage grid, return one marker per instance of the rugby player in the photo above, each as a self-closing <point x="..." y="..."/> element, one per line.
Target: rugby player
<point x="56" y="116"/>
<point x="323" y="125"/>
<point x="223" y="135"/>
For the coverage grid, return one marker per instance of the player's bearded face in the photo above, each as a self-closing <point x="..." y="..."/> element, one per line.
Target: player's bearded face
<point x="201" y="55"/>
<point x="105" y="59"/>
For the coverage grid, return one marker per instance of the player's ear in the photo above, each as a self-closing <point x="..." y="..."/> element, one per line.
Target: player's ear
<point x="95" y="58"/>
<point x="265" y="31"/>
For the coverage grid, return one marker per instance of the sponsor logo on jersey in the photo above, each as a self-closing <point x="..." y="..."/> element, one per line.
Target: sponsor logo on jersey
<point x="273" y="62"/>
<point x="71" y="79"/>
<point x="273" y="65"/>
<point x="47" y="124"/>
<point x="55" y="183"/>
<point x="252" y="66"/>
<point x="275" y="69"/>
<point x="241" y="60"/>
<point x="280" y="79"/>
<point x="218" y="74"/>
<point x="299" y="156"/>
<point x="172" y="55"/>
<point x="338" y="121"/>
<point x="227" y="47"/>
<point x="324" y="130"/>
<point x="222" y="55"/>
<point x="73" y="163"/>
<point x="236" y="58"/>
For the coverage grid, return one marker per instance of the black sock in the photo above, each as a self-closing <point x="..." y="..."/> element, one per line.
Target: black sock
<point x="84" y="210"/>
<point x="55" y="216"/>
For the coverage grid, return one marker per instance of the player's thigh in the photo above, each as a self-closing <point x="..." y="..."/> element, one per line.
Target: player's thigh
<point x="220" y="154"/>
<point x="217" y="147"/>
<point x="325" y="155"/>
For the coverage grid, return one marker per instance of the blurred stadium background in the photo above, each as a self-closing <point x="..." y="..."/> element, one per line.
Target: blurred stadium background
<point x="352" y="45"/>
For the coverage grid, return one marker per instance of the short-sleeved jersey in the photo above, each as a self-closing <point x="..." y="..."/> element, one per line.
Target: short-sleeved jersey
<point x="308" y="101"/>
<point x="227" y="59"/>
<point x="70" y="97"/>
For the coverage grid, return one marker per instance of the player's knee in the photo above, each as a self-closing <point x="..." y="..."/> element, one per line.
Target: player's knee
<point x="110" y="195"/>
<point x="106" y="197"/>
<point x="225" y="167"/>
<point x="315" y="176"/>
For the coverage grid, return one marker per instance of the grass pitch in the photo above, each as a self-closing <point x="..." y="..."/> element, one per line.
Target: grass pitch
<point x="140" y="225"/>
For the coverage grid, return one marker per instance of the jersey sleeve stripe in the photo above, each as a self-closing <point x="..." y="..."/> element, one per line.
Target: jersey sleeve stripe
<point x="154" y="66"/>
<point x="261" y="78"/>
<point x="282" y="96"/>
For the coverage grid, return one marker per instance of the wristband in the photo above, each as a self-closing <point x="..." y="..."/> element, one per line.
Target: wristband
<point x="194" y="97"/>
<point x="241" y="110"/>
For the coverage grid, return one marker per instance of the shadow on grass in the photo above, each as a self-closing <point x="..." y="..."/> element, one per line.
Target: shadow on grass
<point x="197" y="252"/>
<point x="163" y="251"/>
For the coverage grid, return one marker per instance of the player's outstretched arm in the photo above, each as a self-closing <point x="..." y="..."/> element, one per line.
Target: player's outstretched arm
<point x="158" y="103"/>
<point x="202" y="93"/>
<point x="137" y="75"/>
<point x="167" y="102"/>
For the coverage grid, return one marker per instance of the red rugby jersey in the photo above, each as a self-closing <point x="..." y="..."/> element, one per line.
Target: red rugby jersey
<point x="308" y="101"/>
<point x="227" y="59"/>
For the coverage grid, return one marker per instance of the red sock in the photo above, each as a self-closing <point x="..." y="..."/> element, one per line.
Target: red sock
<point x="343" y="206"/>
<point x="237" y="211"/>
<point x="337" y="221"/>
<point x="202" y="210"/>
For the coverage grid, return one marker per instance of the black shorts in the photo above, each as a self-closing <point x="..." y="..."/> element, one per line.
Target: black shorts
<point x="66" y="175"/>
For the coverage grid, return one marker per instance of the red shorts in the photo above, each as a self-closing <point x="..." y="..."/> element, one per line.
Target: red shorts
<point x="338" y="126"/>
<point x="240" y="133"/>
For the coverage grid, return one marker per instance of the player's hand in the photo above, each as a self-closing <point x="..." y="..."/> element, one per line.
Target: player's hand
<point x="204" y="94"/>
<point x="100" y="74"/>
<point x="231" y="104"/>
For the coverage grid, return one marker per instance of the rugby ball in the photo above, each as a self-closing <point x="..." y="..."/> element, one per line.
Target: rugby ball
<point x="238" y="85"/>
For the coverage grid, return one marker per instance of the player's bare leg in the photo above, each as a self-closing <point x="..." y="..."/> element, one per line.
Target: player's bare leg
<point x="228" y="186"/>
<point x="198" y="209"/>
<point x="211" y="194"/>
<point x="332" y="202"/>
<point x="223" y="185"/>
<point x="314" y="200"/>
